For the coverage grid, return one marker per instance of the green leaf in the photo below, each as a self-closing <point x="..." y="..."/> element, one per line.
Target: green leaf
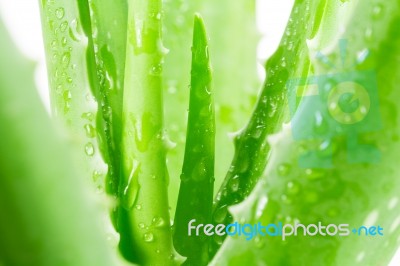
<point x="233" y="42"/>
<point x="197" y="178"/>
<point x="109" y="28"/>
<point x="109" y="22"/>
<point x="48" y="213"/>
<point x="87" y="85"/>
<point x="351" y="193"/>
<point x="144" y="222"/>
<point x="251" y="144"/>
<point x="72" y="77"/>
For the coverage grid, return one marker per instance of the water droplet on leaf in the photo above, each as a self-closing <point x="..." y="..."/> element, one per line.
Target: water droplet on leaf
<point x="284" y="169"/>
<point x="60" y="13"/>
<point x="89" y="149"/>
<point x="148" y="237"/>
<point x="234" y="183"/>
<point x="158" y="222"/>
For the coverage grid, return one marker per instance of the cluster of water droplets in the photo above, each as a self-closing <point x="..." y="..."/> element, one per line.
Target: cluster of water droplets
<point x="66" y="43"/>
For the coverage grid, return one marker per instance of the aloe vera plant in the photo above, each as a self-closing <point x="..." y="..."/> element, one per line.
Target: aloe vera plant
<point x="197" y="178"/>
<point x="319" y="148"/>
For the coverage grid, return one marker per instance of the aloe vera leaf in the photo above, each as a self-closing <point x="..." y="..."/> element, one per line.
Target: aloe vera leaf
<point x="178" y="28"/>
<point x="69" y="55"/>
<point x="251" y="145"/>
<point x="234" y="59"/>
<point x="197" y="178"/>
<point x="354" y="194"/>
<point x="109" y="20"/>
<point x="144" y="222"/>
<point x="48" y="212"/>
<point x="109" y="28"/>
<point x="235" y="71"/>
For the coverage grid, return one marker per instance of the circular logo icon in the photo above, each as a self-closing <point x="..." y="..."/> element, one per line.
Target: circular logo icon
<point x="349" y="103"/>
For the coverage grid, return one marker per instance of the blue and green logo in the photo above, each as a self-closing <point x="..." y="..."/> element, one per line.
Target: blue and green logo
<point x="340" y="104"/>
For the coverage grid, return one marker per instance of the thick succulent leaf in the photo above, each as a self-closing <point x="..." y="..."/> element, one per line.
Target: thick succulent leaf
<point x="197" y="178"/>
<point x="109" y="29"/>
<point x="144" y="222"/>
<point x="235" y="71"/>
<point x="72" y="77"/>
<point x="251" y="145"/>
<point x="87" y="85"/>
<point x="47" y="209"/>
<point x="355" y="184"/>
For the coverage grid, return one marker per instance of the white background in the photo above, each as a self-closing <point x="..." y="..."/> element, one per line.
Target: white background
<point x="23" y="21"/>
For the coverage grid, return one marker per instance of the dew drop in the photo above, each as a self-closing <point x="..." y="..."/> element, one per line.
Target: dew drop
<point x="131" y="189"/>
<point x="207" y="53"/>
<point x="259" y="242"/>
<point x="63" y="26"/>
<point x="234" y="183"/>
<point x="377" y="11"/>
<point x="168" y="143"/>
<point x="368" y="34"/>
<point x="67" y="107"/>
<point x="66" y="59"/>
<point x="59" y="89"/>
<point x="51" y="24"/>
<point x="320" y="126"/>
<point x="99" y="189"/>
<point x="333" y="212"/>
<point x="284" y="169"/>
<point x="158" y="222"/>
<point x="90" y="131"/>
<point x="172" y="90"/>
<point x="96" y="176"/>
<point x="218" y="239"/>
<point x="290" y="46"/>
<point x="148" y="237"/>
<point x="293" y="188"/>
<point x="74" y="31"/>
<point x="273" y="108"/>
<point x="55" y="57"/>
<point x="60" y="13"/>
<point x="107" y="112"/>
<point x="260" y="207"/>
<point x="220" y="214"/>
<point x="285" y="199"/>
<point x="88" y="116"/>
<point x="156" y="70"/>
<point x="314" y="174"/>
<point x="141" y="225"/>
<point x="64" y="41"/>
<point x="89" y="149"/>
<point x="67" y="95"/>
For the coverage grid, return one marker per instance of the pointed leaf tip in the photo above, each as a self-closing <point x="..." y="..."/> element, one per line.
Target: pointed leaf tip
<point x="199" y="34"/>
